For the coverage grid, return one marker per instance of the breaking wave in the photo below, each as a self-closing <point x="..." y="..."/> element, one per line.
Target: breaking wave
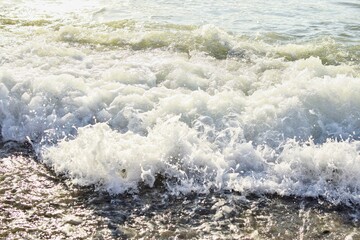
<point x="124" y="103"/>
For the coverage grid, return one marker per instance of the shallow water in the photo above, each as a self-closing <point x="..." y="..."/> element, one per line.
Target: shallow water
<point x="146" y="119"/>
<point x="36" y="204"/>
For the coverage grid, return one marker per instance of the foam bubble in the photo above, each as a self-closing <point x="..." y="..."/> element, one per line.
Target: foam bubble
<point x="123" y="104"/>
<point x="119" y="162"/>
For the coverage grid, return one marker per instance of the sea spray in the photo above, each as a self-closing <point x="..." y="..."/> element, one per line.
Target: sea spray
<point x="228" y="110"/>
<point x="120" y="103"/>
<point x="167" y="120"/>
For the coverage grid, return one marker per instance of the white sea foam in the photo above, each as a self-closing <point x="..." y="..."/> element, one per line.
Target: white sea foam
<point x="227" y="140"/>
<point x="124" y="103"/>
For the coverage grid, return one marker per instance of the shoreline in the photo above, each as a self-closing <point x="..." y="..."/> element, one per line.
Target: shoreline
<point x="37" y="204"/>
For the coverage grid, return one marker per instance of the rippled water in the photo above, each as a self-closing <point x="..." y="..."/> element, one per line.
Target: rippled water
<point x="308" y="19"/>
<point x="168" y="119"/>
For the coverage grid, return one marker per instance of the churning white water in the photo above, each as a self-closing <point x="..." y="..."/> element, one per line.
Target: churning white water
<point x="205" y="96"/>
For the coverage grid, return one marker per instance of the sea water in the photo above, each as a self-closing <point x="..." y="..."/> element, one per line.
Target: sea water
<point x="200" y="97"/>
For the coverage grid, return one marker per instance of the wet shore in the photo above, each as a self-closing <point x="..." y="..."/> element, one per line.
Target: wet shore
<point x="36" y="204"/>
